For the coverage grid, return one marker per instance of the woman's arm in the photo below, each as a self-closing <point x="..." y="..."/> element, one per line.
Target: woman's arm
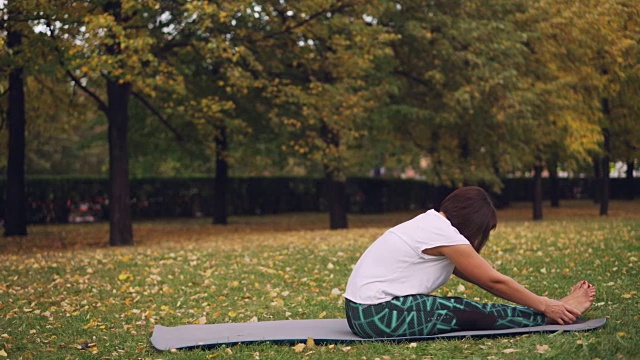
<point x="471" y="267"/>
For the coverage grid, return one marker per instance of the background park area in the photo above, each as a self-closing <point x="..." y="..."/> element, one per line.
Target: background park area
<point x="178" y="162"/>
<point x="65" y="293"/>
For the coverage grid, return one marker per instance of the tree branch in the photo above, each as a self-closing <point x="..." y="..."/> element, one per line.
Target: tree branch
<point x="288" y="28"/>
<point x="412" y="78"/>
<point x="157" y="113"/>
<point x="102" y="106"/>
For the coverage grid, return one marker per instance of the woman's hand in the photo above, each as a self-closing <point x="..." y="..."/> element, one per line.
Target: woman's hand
<point x="559" y="313"/>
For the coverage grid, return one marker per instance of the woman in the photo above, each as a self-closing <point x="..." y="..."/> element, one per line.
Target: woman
<point x="387" y="292"/>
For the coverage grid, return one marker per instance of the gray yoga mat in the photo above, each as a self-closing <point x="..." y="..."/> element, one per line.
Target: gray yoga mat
<point x="322" y="331"/>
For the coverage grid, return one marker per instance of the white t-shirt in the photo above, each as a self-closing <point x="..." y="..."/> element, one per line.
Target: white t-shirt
<point x="394" y="265"/>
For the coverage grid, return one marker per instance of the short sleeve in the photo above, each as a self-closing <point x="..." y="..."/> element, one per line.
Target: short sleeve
<point x="429" y="230"/>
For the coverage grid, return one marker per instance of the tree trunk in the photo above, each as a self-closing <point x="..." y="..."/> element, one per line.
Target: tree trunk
<point x="337" y="198"/>
<point x="597" y="180"/>
<point x="16" y="200"/>
<point x="537" y="192"/>
<point x="630" y="188"/>
<point x="604" y="180"/>
<point x="554" y="183"/>
<point x="336" y="187"/>
<point x="121" y="231"/>
<point x="604" y="164"/>
<point x="221" y="181"/>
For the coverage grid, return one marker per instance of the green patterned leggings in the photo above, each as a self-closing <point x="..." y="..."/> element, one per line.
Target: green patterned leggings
<point x="424" y="315"/>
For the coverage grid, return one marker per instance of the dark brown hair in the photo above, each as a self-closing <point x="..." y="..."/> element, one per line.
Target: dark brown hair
<point x="471" y="211"/>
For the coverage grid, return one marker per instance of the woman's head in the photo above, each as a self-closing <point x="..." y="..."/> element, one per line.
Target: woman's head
<point x="471" y="211"/>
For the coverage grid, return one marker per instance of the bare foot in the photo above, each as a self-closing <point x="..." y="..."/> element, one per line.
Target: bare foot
<point x="581" y="296"/>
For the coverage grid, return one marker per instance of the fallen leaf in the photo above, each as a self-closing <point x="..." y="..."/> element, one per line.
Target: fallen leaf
<point x="310" y="343"/>
<point x="298" y="348"/>
<point x="3" y="353"/>
<point x="542" y="349"/>
<point x="627" y="296"/>
<point x="346" y="348"/>
<point x="509" y="351"/>
<point x="125" y="276"/>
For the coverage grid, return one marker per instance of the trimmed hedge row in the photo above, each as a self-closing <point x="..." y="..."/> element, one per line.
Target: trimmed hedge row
<point x="82" y="199"/>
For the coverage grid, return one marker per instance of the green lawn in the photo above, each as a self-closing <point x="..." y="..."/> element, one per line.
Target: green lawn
<point x="65" y="294"/>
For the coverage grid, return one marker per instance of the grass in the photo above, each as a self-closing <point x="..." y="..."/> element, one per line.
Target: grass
<point x="65" y="294"/>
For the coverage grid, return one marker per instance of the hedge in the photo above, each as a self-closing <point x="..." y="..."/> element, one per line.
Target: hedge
<point x="85" y="199"/>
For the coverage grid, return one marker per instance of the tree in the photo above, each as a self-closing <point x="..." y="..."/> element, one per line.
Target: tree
<point x="274" y="63"/>
<point x="326" y="85"/>
<point x="590" y="47"/>
<point x="461" y="103"/>
<point x="120" y="42"/>
<point x="16" y="201"/>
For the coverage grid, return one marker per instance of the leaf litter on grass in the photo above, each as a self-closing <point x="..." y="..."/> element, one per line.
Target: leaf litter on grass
<point x="51" y="302"/>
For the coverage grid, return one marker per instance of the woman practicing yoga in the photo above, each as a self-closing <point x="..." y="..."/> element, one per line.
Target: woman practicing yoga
<point x="387" y="294"/>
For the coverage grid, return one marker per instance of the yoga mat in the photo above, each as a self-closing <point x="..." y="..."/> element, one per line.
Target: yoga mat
<point x="323" y="331"/>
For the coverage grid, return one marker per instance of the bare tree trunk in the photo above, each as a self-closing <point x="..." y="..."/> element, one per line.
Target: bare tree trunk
<point x="221" y="181"/>
<point x="597" y="180"/>
<point x="118" y="93"/>
<point x="336" y="187"/>
<point x="537" y="192"/>
<point x="604" y="163"/>
<point x="121" y="229"/>
<point x="630" y="189"/>
<point x="337" y="198"/>
<point x="554" y="183"/>
<point x="604" y="180"/>
<point x="16" y="200"/>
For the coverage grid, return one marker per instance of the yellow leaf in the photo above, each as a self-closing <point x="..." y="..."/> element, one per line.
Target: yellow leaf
<point x="310" y="343"/>
<point x="509" y="351"/>
<point x="542" y="349"/>
<point x="3" y="353"/>
<point x="322" y="314"/>
<point x="125" y="276"/>
<point x="298" y="348"/>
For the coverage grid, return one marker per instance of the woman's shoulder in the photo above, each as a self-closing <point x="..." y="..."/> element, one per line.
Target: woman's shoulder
<point x="429" y="227"/>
